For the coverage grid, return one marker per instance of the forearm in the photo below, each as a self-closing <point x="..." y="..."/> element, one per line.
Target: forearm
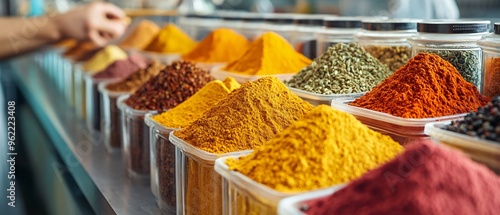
<point x="21" y="35"/>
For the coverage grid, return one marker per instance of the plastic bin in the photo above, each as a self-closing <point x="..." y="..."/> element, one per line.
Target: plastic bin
<point x="111" y="120"/>
<point x="163" y="58"/>
<point x="318" y="99"/>
<point x="135" y="140"/>
<point x="221" y="75"/>
<point x="80" y="93"/>
<point x="483" y="151"/>
<point x="93" y="102"/>
<point x="402" y="130"/>
<point x="162" y="161"/>
<point x="292" y="205"/>
<point x="199" y="187"/>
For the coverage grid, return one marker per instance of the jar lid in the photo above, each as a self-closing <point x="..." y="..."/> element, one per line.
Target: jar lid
<point x="310" y="20"/>
<point x="454" y="26"/>
<point x="497" y="28"/>
<point x="342" y="22"/>
<point x="252" y="17"/>
<point x="390" y="25"/>
<point x="279" y="18"/>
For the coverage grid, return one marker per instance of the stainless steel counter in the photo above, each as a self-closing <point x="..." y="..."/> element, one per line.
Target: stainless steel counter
<point x="100" y="176"/>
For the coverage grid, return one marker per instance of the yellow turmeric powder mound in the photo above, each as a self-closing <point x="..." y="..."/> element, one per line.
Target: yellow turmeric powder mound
<point x="220" y="46"/>
<point x="270" y="54"/>
<point x="194" y="107"/>
<point x="171" y="39"/>
<point x="231" y="84"/>
<point x="104" y="58"/>
<point x="246" y="118"/>
<point x="141" y="35"/>
<point x="324" y="148"/>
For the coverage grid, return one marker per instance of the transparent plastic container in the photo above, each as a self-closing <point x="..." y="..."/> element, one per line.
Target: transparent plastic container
<point x="281" y="24"/>
<point x="482" y="151"/>
<point x="231" y="20"/>
<point x="252" y="25"/>
<point x="336" y="30"/>
<point x="243" y="195"/>
<point x="135" y="140"/>
<point x="162" y="153"/>
<point x="199" y="187"/>
<point x="402" y="130"/>
<point x="80" y="93"/>
<point x="454" y="41"/>
<point x="292" y="205"/>
<point x="111" y="118"/>
<point x="303" y="39"/>
<point x="201" y="25"/>
<point x="240" y="78"/>
<point x="490" y="46"/>
<point x="319" y="99"/>
<point x="94" y="115"/>
<point x="69" y="83"/>
<point x="386" y="40"/>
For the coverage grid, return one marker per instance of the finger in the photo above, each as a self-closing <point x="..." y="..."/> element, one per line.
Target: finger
<point x="113" y="28"/>
<point x="96" y="37"/>
<point x="113" y="12"/>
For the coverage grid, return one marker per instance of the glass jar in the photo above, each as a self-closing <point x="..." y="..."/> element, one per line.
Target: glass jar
<point x="252" y="25"/>
<point x="336" y="30"/>
<point x="387" y="40"/>
<point x="198" y="26"/>
<point x="281" y="24"/>
<point x="490" y="45"/>
<point x="304" y="37"/>
<point x="454" y="41"/>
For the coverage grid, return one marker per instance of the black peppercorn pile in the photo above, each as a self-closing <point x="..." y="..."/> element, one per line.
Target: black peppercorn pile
<point x="485" y="123"/>
<point x="170" y="87"/>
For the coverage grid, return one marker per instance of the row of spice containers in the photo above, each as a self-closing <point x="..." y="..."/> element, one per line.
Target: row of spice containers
<point x="137" y="147"/>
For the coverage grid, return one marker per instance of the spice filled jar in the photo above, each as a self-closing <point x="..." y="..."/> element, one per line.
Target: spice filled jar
<point x="281" y="24"/>
<point x="205" y="24"/>
<point x="386" y="40"/>
<point x="304" y="37"/>
<point x="251" y="25"/>
<point x="454" y="41"/>
<point x="336" y="30"/>
<point x="490" y="45"/>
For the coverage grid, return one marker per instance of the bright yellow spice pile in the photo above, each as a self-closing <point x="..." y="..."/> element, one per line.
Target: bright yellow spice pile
<point x="194" y="107"/>
<point x="172" y="40"/>
<point x="270" y="54"/>
<point x="246" y="118"/>
<point x="104" y="58"/>
<point x="325" y="148"/>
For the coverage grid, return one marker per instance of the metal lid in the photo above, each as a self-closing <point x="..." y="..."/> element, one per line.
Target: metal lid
<point x="390" y="25"/>
<point x="342" y="22"/>
<point x="497" y="28"/>
<point x="252" y="17"/>
<point x="279" y="18"/>
<point x="454" y="26"/>
<point x="308" y="20"/>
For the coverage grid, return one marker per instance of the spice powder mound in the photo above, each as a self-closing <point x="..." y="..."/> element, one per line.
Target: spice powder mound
<point x="141" y="35"/>
<point x="136" y="79"/>
<point x="427" y="86"/>
<point x="170" y="87"/>
<point x="342" y="69"/>
<point x="171" y="39"/>
<point x="425" y="179"/>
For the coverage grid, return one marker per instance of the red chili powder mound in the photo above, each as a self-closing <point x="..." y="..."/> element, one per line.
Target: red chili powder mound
<point x="427" y="86"/>
<point x="426" y="179"/>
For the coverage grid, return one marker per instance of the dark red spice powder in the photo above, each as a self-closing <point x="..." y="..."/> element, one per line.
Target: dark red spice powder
<point x="426" y="179"/>
<point x="123" y="68"/>
<point x="170" y="87"/>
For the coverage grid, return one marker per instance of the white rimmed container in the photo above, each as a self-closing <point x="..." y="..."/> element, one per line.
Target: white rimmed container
<point x="402" y="130"/>
<point x="480" y="150"/>
<point x="292" y="205"/>
<point x="319" y="99"/>
<point x="166" y="59"/>
<point x="336" y="30"/>
<point x="199" y="187"/>
<point x="135" y="140"/>
<point x="243" y="195"/>
<point x="303" y="38"/>
<point x="281" y="24"/>
<point x="111" y="118"/>
<point x="93" y="101"/>
<point x="454" y="41"/>
<point x="163" y="184"/>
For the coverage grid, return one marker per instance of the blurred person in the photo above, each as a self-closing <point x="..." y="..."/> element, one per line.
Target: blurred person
<point x="97" y="22"/>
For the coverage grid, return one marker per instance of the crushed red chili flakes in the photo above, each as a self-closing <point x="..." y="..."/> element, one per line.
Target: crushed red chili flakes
<point x="170" y="87"/>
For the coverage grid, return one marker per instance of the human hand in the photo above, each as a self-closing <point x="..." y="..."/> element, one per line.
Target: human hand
<point x="97" y="22"/>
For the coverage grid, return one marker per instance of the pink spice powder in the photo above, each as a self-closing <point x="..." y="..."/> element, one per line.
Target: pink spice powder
<point x="425" y="179"/>
<point x="123" y="68"/>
